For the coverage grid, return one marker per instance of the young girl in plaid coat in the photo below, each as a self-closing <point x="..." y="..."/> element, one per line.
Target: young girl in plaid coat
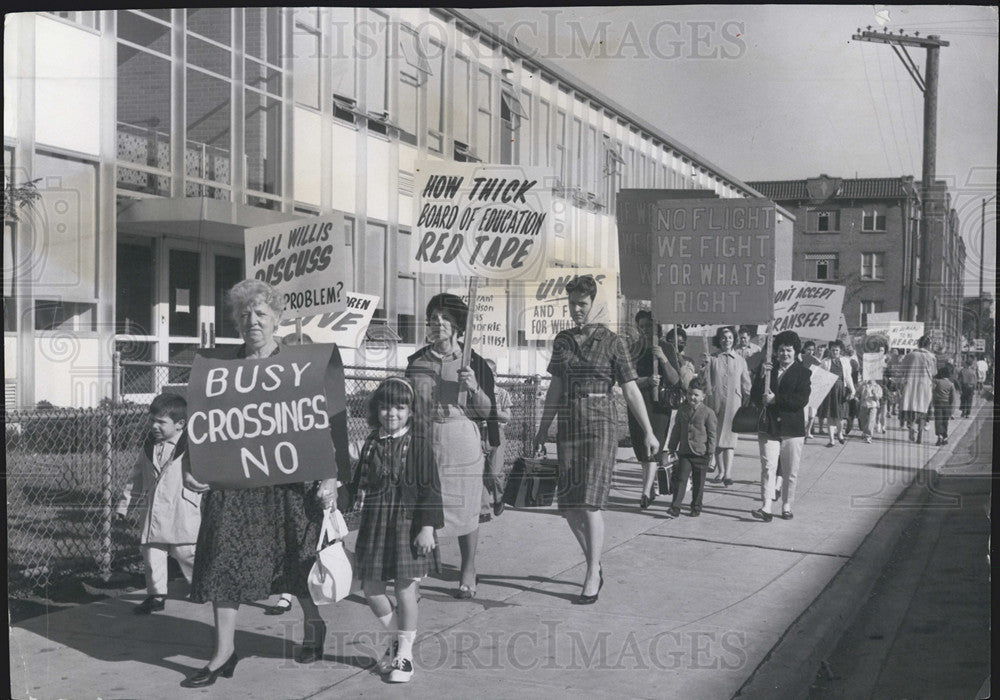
<point x="397" y="485"/>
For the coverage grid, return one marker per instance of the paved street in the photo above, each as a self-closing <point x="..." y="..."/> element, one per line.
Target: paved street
<point x="692" y="607"/>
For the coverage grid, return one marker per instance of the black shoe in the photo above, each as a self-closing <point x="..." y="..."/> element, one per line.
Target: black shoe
<point x="279" y="608"/>
<point x="151" y="604"/>
<point x="673" y="511"/>
<point x="786" y="515"/>
<point x="313" y="651"/>
<point x="695" y="512"/>
<point x="467" y="592"/>
<point x="498" y="508"/>
<point x="643" y="502"/>
<point x="761" y="514"/>
<point x="206" y="676"/>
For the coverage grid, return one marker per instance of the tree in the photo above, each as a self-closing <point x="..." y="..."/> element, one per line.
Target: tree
<point x="18" y="197"/>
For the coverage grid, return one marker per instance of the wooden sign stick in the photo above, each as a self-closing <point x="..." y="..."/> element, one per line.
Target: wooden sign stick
<point x="470" y="325"/>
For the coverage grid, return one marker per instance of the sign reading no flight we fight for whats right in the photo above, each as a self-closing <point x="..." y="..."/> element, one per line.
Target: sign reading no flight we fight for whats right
<point x="703" y="261"/>
<point x="477" y="220"/>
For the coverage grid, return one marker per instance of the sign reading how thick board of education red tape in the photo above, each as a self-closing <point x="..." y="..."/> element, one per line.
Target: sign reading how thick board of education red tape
<point x="306" y="260"/>
<point x="481" y="220"/>
<point x="704" y="261"/>
<point x="255" y="422"/>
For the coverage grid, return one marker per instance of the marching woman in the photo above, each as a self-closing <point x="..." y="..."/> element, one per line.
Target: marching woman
<point x="728" y="381"/>
<point x="833" y="409"/>
<point x="586" y="361"/>
<point x="917" y="372"/>
<point x="258" y="542"/>
<point x="438" y="379"/>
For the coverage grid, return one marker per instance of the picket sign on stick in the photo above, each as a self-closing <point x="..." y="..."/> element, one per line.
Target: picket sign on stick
<point x="470" y="326"/>
<point x="298" y="330"/>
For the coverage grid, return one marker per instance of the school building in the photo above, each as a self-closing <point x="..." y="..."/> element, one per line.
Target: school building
<point x="864" y="233"/>
<point x="156" y="137"/>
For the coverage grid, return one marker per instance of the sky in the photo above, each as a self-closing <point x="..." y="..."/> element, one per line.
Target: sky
<point x="777" y="92"/>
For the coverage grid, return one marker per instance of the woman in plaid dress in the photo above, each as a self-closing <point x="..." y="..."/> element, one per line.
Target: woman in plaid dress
<point x="401" y="507"/>
<point x="586" y="361"/>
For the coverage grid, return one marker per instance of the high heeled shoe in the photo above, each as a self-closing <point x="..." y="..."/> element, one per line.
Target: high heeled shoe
<point x="206" y="676"/>
<point x="643" y="502"/>
<point x="311" y="652"/>
<point x="591" y="599"/>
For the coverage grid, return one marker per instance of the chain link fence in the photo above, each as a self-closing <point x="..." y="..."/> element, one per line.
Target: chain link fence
<point x="66" y="469"/>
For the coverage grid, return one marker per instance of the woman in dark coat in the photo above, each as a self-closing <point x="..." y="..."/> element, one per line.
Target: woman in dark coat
<point x="782" y="388"/>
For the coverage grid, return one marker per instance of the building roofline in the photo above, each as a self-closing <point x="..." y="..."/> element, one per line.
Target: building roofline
<point x="474" y="19"/>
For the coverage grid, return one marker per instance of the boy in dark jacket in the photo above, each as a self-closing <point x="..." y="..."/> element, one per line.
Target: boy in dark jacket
<point x="692" y="441"/>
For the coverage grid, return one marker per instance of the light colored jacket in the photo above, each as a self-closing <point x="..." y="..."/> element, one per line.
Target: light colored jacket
<point x="172" y="511"/>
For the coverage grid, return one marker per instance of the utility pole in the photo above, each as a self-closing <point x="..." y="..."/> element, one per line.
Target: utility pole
<point x="928" y="84"/>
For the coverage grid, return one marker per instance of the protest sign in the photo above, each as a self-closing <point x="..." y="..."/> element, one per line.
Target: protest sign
<point x="811" y="309"/>
<point x="480" y="220"/>
<point x="546" y="302"/>
<point x="306" y="260"/>
<point x="905" y="334"/>
<point x="702" y="260"/>
<point x="256" y="422"/>
<point x="489" y="333"/>
<point x="346" y="329"/>
<point x="881" y="318"/>
<point x="820" y="384"/>
<point x="874" y="365"/>
<point x="979" y="345"/>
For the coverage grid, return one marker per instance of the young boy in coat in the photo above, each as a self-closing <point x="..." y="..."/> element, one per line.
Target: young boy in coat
<point x="693" y="441"/>
<point x="172" y="499"/>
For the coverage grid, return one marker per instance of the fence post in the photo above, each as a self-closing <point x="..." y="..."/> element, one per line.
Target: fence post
<point x="116" y="378"/>
<point x="104" y="561"/>
<point x="531" y="414"/>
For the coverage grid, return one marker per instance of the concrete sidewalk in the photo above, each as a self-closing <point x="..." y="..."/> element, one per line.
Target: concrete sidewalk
<point x="690" y="607"/>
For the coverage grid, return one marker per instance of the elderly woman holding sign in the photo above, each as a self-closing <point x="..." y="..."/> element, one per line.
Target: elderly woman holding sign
<point x="257" y="542"/>
<point x="450" y="400"/>
<point x="586" y="361"/>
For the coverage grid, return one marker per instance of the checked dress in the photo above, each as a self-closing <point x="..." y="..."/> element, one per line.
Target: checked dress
<point x="588" y="360"/>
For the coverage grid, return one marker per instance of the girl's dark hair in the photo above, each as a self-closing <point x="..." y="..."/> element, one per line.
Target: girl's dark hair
<point x="452" y="306"/>
<point x="698" y="383"/>
<point x="945" y="372"/>
<point x="924" y="341"/>
<point x="788" y="338"/>
<point x="582" y="285"/>
<point x="836" y="344"/>
<point x="716" y="340"/>
<point x="808" y="344"/>
<point x="393" y="391"/>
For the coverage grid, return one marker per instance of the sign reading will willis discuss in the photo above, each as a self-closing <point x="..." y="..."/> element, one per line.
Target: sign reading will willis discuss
<point x="700" y="260"/>
<point x="305" y="260"/>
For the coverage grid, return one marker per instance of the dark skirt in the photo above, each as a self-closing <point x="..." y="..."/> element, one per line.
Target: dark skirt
<point x="254" y="543"/>
<point x="833" y="405"/>
<point x="586" y="448"/>
<point x="384" y="550"/>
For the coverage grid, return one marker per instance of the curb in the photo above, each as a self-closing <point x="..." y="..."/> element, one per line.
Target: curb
<point x="788" y="670"/>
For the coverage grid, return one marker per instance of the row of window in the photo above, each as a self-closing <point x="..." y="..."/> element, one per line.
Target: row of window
<point x="828" y="221"/>
<point x="825" y="267"/>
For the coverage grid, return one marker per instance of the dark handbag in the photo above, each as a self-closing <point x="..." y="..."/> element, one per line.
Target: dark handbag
<point x="748" y="419"/>
<point x="663" y="479"/>
<point x="532" y="483"/>
<point x="671" y="396"/>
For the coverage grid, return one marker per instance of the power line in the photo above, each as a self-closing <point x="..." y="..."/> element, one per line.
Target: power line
<point x="878" y="122"/>
<point x="888" y="112"/>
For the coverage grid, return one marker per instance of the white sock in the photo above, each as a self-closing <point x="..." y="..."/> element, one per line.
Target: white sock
<point x="406" y="643"/>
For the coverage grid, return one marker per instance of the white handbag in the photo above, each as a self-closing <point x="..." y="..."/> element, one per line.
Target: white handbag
<point x="331" y="576"/>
